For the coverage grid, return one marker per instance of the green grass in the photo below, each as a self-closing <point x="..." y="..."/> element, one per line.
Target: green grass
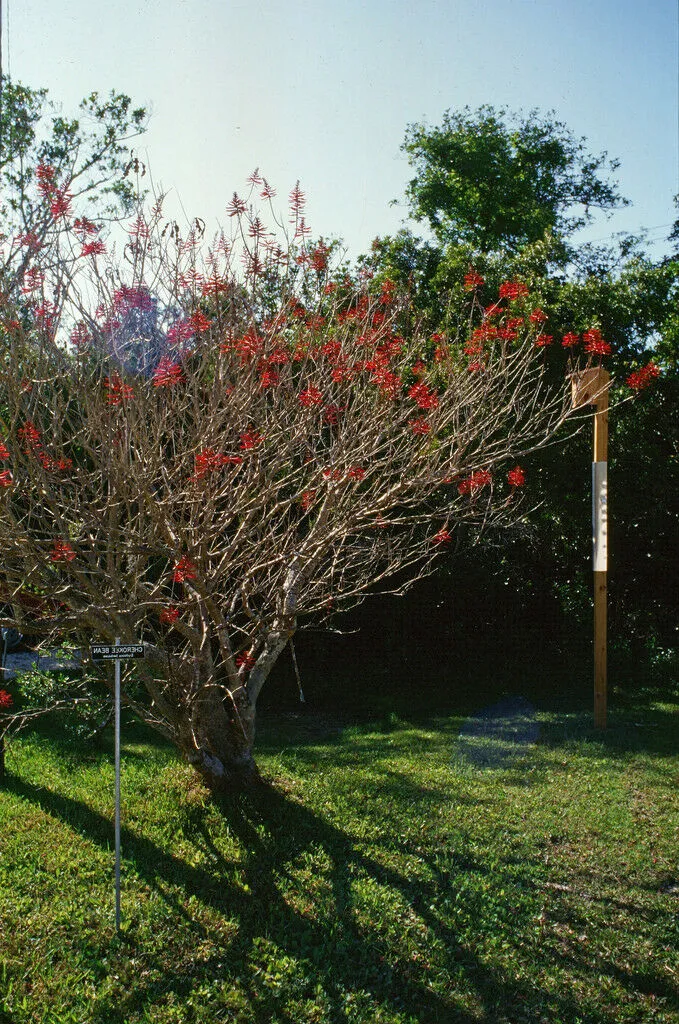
<point x="397" y="872"/>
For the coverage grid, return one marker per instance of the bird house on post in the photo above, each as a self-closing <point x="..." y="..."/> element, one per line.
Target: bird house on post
<point x="590" y="387"/>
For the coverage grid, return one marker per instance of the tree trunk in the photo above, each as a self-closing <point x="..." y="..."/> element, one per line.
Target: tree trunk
<point x="218" y="742"/>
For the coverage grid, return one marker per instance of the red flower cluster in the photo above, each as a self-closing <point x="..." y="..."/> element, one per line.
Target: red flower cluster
<point x="62" y="552"/>
<point x="169" y="615"/>
<point x="570" y="340"/>
<point x="538" y="317"/>
<point x="184" y="570"/>
<point x="480" y="478"/>
<point x="419" y="425"/>
<point x="516" y="477"/>
<point x="199" y="323"/>
<point x="4" y="451"/>
<point x="245" y="660"/>
<point x="307" y="500"/>
<point x="472" y="281"/>
<point x="543" y="340"/>
<point x="208" y="460"/>
<point x="250" y="439"/>
<point x="595" y="344"/>
<point x="5" y="699"/>
<point x="6" y="479"/>
<point x="355" y="473"/>
<point x="29" y="434"/>
<point x="513" y="290"/>
<point x="311" y="396"/>
<point x="640" y="379"/>
<point x="425" y="398"/>
<point x="96" y="248"/>
<point x="60" y="203"/>
<point x="167" y="374"/>
<point x="269" y="379"/>
<point x="118" y="391"/>
<point x="442" y="537"/>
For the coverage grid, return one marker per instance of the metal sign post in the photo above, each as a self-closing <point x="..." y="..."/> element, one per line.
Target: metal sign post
<point x="590" y="387"/>
<point x="118" y="652"/>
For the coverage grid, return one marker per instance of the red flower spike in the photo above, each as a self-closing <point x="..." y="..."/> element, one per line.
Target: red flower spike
<point x="595" y="344"/>
<point x="245" y="661"/>
<point x="516" y="477"/>
<point x="169" y="615"/>
<point x="167" y="373"/>
<point x="250" y="439"/>
<point x="4" y="453"/>
<point x="472" y="281"/>
<point x="6" y="701"/>
<point x="311" y="396"/>
<point x="442" y="537"/>
<point x="513" y="290"/>
<point x="419" y="426"/>
<point x="543" y="340"/>
<point x="643" y="378"/>
<point x="62" y="552"/>
<point x="184" y="570"/>
<point x="307" y="500"/>
<point x="96" y="248"/>
<point x="538" y="317"/>
<point x="199" y="322"/>
<point x="479" y="479"/>
<point x="425" y="398"/>
<point x="570" y="340"/>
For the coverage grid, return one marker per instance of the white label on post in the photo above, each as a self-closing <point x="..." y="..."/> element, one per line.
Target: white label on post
<point x="600" y="516"/>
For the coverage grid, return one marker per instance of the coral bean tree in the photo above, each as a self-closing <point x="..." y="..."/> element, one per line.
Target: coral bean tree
<point x="219" y="443"/>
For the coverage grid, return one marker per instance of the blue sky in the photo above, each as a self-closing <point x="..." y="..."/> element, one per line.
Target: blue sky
<point x="323" y="91"/>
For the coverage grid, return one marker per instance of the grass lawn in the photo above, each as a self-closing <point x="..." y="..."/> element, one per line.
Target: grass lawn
<point x="433" y="869"/>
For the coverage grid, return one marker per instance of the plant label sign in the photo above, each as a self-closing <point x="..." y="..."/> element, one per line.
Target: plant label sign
<point x="116" y="652"/>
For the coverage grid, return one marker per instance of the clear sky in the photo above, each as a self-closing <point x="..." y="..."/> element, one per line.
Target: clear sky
<point x="323" y="91"/>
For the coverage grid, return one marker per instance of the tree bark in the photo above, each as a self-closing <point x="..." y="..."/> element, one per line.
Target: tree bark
<point x="218" y="741"/>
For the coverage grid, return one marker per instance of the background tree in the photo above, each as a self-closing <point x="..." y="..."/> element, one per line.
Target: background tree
<point x="505" y="195"/>
<point x="269" y="471"/>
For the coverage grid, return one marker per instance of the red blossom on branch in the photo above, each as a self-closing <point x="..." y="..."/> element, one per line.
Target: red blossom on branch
<point x="479" y="479"/>
<point x="96" y="248"/>
<point x="250" y="439"/>
<point x="516" y="477"/>
<point x="425" y="398"/>
<point x="595" y="344"/>
<point x="245" y="661"/>
<point x="472" y="281"/>
<point x="442" y="537"/>
<point x="62" y="551"/>
<point x="513" y="290"/>
<point x="311" y="396"/>
<point x="167" y="373"/>
<point x="118" y="391"/>
<point x="4" y="451"/>
<point x="169" y="615"/>
<point x="543" y="340"/>
<point x="538" y="317"/>
<point x="6" y="700"/>
<point x="643" y="378"/>
<point x="419" y="425"/>
<point x="184" y="570"/>
<point x="570" y="340"/>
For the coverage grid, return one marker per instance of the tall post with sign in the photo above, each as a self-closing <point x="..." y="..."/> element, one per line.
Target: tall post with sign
<point x="117" y="652"/>
<point x="590" y="387"/>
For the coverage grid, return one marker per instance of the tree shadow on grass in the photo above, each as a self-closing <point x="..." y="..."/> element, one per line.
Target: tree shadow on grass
<point x="339" y="954"/>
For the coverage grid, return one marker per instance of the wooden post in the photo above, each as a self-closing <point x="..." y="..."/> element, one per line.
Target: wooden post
<point x="590" y="387"/>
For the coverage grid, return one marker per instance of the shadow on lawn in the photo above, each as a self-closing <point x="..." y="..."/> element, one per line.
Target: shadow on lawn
<point x="339" y="956"/>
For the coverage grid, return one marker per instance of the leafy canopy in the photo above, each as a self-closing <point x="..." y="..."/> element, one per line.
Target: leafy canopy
<point x="501" y="181"/>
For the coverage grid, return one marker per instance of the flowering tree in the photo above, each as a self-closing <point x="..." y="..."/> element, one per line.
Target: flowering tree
<point x="215" y="457"/>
